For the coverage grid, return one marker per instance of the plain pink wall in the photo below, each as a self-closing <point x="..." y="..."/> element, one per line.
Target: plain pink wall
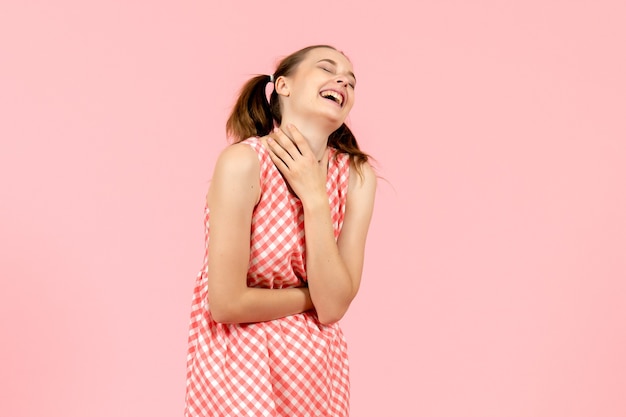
<point x="495" y="282"/>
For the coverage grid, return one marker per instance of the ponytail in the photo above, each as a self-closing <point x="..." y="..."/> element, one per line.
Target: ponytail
<point x="344" y="141"/>
<point x="251" y="115"/>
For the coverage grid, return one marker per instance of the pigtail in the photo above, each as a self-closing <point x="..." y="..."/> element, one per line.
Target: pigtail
<point x="251" y="115"/>
<point x="344" y="141"/>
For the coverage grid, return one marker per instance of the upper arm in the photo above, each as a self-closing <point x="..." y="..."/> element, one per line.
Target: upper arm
<point x="359" y="209"/>
<point x="233" y="193"/>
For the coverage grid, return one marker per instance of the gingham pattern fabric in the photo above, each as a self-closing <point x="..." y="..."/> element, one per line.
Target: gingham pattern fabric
<point x="290" y="367"/>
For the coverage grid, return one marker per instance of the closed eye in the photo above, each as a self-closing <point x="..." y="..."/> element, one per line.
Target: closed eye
<point x="328" y="66"/>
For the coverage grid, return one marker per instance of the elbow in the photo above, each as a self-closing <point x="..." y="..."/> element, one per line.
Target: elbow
<point x="330" y="316"/>
<point x="331" y="312"/>
<point x="219" y="315"/>
<point x="328" y="320"/>
<point x="225" y="307"/>
<point x="223" y="314"/>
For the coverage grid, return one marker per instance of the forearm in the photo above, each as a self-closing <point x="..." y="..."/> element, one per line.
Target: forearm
<point x="261" y="304"/>
<point x="330" y="284"/>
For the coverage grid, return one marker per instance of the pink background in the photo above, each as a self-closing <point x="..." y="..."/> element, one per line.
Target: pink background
<point x="495" y="279"/>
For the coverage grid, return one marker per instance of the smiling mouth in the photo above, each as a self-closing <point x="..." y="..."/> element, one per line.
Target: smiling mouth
<point x="333" y="96"/>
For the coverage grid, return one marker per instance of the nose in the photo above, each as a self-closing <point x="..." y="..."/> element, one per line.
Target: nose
<point x="342" y="79"/>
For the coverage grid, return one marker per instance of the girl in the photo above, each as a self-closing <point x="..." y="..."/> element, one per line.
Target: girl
<point x="289" y="205"/>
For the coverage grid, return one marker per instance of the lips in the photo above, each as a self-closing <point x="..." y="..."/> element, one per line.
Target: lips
<point x="334" y="95"/>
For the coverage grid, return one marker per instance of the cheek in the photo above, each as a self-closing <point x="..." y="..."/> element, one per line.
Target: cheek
<point x="352" y="99"/>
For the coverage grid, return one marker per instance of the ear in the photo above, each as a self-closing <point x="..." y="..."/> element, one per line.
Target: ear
<point x="281" y="86"/>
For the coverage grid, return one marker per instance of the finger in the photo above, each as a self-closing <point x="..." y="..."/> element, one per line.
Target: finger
<point x="299" y="140"/>
<point x="279" y="146"/>
<point x="278" y="155"/>
<point x="286" y="141"/>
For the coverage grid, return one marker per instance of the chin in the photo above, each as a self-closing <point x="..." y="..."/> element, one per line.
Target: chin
<point x="330" y="120"/>
<point x="335" y="120"/>
<point x="334" y="125"/>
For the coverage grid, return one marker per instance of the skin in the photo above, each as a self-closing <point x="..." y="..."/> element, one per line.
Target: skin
<point x="334" y="268"/>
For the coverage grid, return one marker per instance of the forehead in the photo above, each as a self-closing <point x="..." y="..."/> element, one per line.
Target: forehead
<point x="318" y="54"/>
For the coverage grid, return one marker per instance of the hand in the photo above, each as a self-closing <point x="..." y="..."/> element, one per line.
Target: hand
<point x="295" y="160"/>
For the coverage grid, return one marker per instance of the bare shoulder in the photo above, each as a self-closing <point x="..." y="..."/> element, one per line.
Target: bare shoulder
<point x="359" y="210"/>
<point x="237" y="158"/>
<point x="361" y="193"/>
<point x="363" y="181"/>
<point x="236" y="173"/>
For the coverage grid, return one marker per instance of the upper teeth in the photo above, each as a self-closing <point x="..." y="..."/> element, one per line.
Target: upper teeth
<point x="330" y="93"/>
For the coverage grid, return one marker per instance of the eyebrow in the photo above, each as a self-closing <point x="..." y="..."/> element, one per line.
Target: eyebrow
<point x="330" y="61"/>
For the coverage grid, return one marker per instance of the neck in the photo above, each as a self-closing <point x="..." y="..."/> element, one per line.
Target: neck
<point x="315" y="133"/>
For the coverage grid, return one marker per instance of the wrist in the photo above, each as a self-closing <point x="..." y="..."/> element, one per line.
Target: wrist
<point x="315" y="202"/>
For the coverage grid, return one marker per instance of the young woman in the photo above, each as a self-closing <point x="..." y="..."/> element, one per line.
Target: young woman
<point x="289" y="205"/>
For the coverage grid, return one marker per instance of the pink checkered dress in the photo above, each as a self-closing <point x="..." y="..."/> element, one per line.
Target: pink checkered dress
<point x="290" y="367"/>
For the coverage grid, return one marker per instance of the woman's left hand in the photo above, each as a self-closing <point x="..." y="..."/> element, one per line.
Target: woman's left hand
<point x="294" y="158"/>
